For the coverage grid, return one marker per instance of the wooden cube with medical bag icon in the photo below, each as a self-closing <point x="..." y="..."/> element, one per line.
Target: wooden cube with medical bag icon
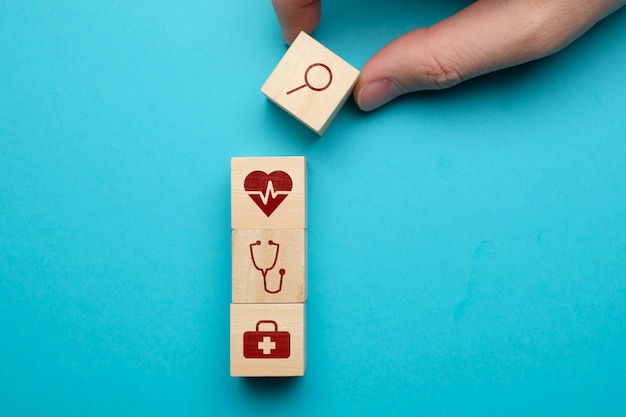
<point x="267" y="339"/>
<point x="268" y="193"/>
<point x="269" y="266"/>
<point x="311" y="83"/>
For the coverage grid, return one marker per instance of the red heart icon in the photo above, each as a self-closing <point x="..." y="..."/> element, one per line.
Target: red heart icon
<point x="268" y="190"/>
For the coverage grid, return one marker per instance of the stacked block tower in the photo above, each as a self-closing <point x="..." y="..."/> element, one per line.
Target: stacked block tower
<point x="269" y="266"/>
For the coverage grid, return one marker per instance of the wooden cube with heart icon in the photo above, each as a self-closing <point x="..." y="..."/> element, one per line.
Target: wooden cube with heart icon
<point x="268" y="193"/>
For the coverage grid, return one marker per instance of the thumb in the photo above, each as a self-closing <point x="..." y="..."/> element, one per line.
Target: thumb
<point x="486" y="36"/>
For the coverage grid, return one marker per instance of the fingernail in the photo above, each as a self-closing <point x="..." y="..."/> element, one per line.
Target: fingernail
<point x="375" y="94"/>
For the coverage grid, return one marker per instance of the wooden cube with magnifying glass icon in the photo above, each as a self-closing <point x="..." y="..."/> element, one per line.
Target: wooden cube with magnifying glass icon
<point x="311" y="83"/>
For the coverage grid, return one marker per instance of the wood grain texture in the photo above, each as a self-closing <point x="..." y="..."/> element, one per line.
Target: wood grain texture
<point x="269" y="266"/>
<point x="266" y="204"/>
<point x="311" y="83"/>
<point x="251" y="330"/>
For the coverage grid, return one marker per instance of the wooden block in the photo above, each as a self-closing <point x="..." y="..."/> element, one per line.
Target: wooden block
<point x="267" y="339"/>
<point x="268" y="193"/>
<point x="269" y="266"/>
<point x="311" y="83"/>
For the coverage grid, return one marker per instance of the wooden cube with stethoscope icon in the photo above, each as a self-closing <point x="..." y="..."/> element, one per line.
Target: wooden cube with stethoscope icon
<point x="269" y="266"/>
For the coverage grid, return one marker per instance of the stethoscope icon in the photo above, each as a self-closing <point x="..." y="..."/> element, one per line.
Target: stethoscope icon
<point x="264" y="271"/>
<point x="306" y="79"/>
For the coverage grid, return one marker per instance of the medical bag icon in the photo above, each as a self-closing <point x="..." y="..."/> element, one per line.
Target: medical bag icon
<point x="266" y="344"/>
<point x="273" y="286"/>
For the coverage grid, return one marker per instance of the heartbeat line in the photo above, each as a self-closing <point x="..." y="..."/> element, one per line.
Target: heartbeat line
<point x="270" y="193"/>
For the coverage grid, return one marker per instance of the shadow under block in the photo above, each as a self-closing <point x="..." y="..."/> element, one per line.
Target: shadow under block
<point x="268" y="193"/>
<point x="267" y="339"/>
<point x="269" y="266"/>
<point x="311" y="83"/>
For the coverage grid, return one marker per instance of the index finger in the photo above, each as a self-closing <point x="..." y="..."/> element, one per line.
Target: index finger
<point x="295" y="16"/>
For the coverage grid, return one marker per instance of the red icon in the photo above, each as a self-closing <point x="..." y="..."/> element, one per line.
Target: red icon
<point x="306" y="79"/>
<point x="270" y="287"/>
<point x="263" y="344"/>
<point x="268" y="191"/>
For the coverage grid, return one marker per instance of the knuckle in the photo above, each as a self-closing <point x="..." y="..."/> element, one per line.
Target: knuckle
<point x="443" y="69"/>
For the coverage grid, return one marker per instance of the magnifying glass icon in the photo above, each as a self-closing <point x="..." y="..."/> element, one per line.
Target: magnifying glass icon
<point x="306" y="79"/>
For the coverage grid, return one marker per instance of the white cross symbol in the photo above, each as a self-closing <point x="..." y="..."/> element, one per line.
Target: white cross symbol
<point x="266" y="345"/>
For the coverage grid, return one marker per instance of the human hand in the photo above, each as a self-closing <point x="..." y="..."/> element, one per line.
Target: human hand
<point x="486" y="36"/>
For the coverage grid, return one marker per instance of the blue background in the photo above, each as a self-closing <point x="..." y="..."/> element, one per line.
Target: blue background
<point x="467" y="248"/>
